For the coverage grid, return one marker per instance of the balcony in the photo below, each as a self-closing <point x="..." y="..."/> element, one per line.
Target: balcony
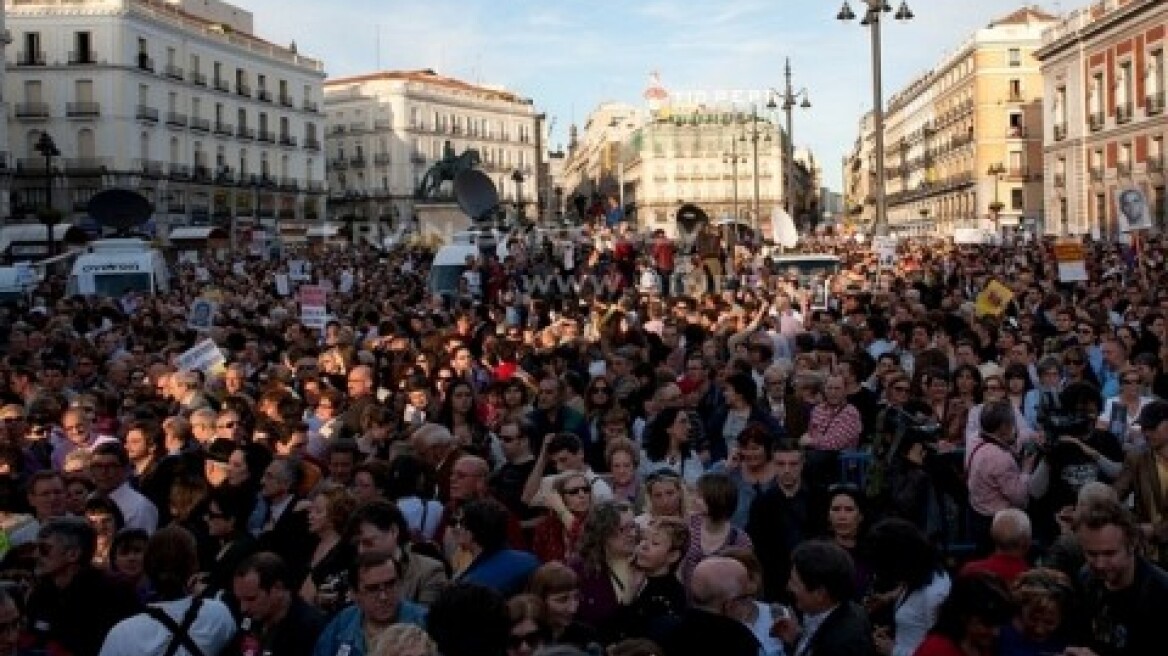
<point x="198" y="79"/>
<point x="381" y="159"/>
<point x="1060" y="131"/>
<point x="286" y="100"/>
<point x="243" y="89"/>
<point x="225" y="129"/>
<point x="1154" y="103"/>
<point x="1123" y="169"/>
<point x="201" y="173"/>
<point x="1017" y="173"/>
<point x="29" y="110"/>
<point x="180" y="171"/>
<point x="288" y="140"/>
<point x="245" y="132"/>
<point x="418" y="158"/>
<point x="82" y="58"/>
<point x="358" y="127"/>
<point x="289" y="184"/>
<point x="151" y="167"/>
<point x="200" y="124"/>
<point x="86" y="165"/>
<point x="310" y="106"/>
<point x="312" y="143"/>
<point x="1060" y="180"/>
<point x="267" y="136"/>
<point x="264" y="95"/>
<point x="315" y="186"/>
<point x="225" y="175"/>
<point x="1155" y="163"/>
<point x="1095" y="121"/>
<point x="382" y="124"/>
<point x="221" y="85"/>
<point x="145" y="63"/>
<point x="1016" y="132"/>
<point x="358" y="162"/>
<point x="338" y="164"/>
<point x="146" y="113"/>
<point x="338" y="129"/>
<point x="176" y="119"/>
<point x="1123" y="112"/>
<point x="82" y="109"/>
<point x="30" y="59"/>
<point x="1096" y="174"/>
<point x="173" y="72"/>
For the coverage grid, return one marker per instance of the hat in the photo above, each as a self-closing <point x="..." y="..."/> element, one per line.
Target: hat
<point x="990" y="370"/>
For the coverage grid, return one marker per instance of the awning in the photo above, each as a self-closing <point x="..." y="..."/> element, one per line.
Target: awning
<point x="38" y="233"/>
<point x="197" y="233"/>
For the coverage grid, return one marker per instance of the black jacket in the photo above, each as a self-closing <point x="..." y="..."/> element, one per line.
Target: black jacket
<point x="702" y="633"/>
<point x="845" y="632"/>
<point x="79" y="616"/>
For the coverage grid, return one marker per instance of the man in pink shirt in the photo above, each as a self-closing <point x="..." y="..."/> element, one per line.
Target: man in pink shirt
<point x="996" y="480"/>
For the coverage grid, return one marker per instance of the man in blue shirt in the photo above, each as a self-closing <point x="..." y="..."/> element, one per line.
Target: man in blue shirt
<point x="375" y="583"/>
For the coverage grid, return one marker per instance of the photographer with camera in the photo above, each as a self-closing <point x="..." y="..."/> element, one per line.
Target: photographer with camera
<point x="1076" y="451"/>
<point x="996" y="479"/>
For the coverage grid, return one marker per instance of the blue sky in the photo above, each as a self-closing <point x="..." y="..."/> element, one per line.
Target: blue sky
<point x="569" y="55"/>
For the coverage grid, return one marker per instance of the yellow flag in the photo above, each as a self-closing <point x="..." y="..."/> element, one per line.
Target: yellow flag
<point x="993" y="299"/>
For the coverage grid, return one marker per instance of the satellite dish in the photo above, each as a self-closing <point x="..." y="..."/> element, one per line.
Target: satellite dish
<point x="120" y="209"/>
<point x="476" y="194"/>
<point x="690" y="216"/>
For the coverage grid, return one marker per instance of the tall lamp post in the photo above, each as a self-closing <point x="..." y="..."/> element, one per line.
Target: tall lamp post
<point x="733" y="159"/>
<point x="789" y="98"/>
<point x="46" y="147"/>
<point x="872" y="19"/>
<point x="753" y="135"/>
<point x="517" y="178"/>
<point x="996" y="171"/>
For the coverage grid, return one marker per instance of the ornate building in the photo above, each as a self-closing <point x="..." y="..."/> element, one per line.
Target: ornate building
<point x="178" y="99"/>
<point x="1105" y="78"/>
<point x="386" y="129"/>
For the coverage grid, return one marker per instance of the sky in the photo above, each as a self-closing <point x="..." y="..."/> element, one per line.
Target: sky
<point x="569" y="56"/>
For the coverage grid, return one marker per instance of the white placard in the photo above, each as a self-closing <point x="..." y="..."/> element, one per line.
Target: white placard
<point x="239" y="269"/>
<point x="313" y="317"/>
<point x="1132" y="210"/>
<point x="204" y="356"/>
<point x="188" y="257"/>
<point x="346" y="282"/>
<point x="202" y="274"/>
<point x="202" y="315"/>
<point x="282" y="286"/>
<point x="298" y="270"/>
<point x="885" y="250"/>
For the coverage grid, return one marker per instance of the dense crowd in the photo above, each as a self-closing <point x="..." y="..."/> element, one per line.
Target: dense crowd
<point x="680" y="453"/>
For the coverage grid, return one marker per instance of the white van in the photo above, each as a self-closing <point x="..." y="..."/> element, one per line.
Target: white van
<point x="113" y="267"/>
<point x="17" y="282"/>
<point x="449" y="263"/>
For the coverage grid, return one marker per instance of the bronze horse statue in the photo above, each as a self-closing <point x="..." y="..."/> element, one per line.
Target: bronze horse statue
<point x="446" y="170"/>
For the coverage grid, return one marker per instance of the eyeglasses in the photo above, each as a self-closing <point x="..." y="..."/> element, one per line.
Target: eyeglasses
<point x="385" y="587"/>
<point x="573" y="491"/>
<point x="532" y="639"/>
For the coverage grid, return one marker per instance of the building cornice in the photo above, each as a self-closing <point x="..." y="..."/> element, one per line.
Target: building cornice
<point x="1089" y="26"/>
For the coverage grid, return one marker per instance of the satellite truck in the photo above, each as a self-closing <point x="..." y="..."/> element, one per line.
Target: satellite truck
<point x="123" y="264"/>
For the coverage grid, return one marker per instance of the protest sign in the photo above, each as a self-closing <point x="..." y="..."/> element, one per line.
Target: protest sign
<point x="993" y="299"/>
<point x="313" y="306"/>
<point x="205" y="357"/>
<point x="283" y="288"/>
<point x="202" y="315"/>
<point x="1072" y="261"/>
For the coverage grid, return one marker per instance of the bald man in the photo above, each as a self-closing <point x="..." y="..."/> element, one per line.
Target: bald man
<point x="1011" y="534"/>
<point x="714" y="623"/>
<point x="361" y="387"/>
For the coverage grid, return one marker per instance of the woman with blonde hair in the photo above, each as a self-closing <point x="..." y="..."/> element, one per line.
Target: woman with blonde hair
<point x="404" y="640"/>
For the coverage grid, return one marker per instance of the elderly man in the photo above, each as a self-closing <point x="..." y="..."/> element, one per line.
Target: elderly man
<point x="1011" y="535"/>
<point x="719" y="591"/>
<point x="822" y="583"/>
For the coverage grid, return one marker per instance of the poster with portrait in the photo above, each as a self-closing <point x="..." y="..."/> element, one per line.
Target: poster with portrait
<point x="202" y="315"/>
<point x="1132" y="208"/>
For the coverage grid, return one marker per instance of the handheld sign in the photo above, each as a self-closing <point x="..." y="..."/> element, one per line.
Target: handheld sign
<point x="205" y="357"/>
<point x="993" y="299"/>
<point x="202" y="316"/>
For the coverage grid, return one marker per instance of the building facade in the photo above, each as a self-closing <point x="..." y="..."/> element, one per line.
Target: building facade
<point x="963" y="142"/>
<point x="1105" y="78"/>
<point x="596" y="161"/>
<point x="177" y="99"/>
<point x="385" y="130"/>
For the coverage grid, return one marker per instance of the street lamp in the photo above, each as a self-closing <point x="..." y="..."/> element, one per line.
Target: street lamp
<point x="517" y="178"/>
<point x="733" y="159"/>
<point x="46" y="147"/>
<point x="996" y="171"/>
<point x="872" y="19"/>
<point x="789" y="99"/>
<point x="753" y="134"/>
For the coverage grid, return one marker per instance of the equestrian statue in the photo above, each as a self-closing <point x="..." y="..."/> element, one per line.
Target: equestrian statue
<point x="447" y="169"/>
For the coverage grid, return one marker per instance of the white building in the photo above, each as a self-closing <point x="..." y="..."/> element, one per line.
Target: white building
<point x="386" y="129"/>
<point x="176" y="98"/>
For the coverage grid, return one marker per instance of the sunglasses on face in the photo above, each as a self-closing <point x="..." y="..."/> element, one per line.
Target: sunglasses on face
<point x="573" y="491"/>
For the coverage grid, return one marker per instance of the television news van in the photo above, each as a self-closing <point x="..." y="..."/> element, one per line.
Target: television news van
<point x="115" y="267"/>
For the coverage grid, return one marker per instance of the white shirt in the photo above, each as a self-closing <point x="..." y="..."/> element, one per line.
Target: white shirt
<point x="811" y="624"/>
<point x="142" y="635"/>
<point x="137" y="510"/>
<point x="916" y="614"/>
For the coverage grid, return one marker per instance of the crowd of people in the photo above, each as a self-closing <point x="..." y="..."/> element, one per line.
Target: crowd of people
<point x="650" y="464"/>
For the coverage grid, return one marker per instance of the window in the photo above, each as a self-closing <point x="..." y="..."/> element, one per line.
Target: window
<point x="83" y="91"/>
<point x="172" y="101"/>
<point x="144" y="146"/>
<point x="170" y="56"/>
<point x="1015" y="89"/>
<point x="143" y="48"/>
<point x="144" y="94"/>
<point x="83" y="48"/>
<point x="1017" y="128"/>
<point x="1017" y="199"/>
<point x="32" y="91"/>
<point x="194" y="63"/>
<point x="1015" y="57"/>
<point x="241" y="118"/>
<point x="32" y="45"/>
<point x="195" y="106"/>
<point x="262" y="82"/>
<point x="86" y="144"/>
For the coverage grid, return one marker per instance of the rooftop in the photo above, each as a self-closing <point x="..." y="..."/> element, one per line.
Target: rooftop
<point x="428" y="76"/>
